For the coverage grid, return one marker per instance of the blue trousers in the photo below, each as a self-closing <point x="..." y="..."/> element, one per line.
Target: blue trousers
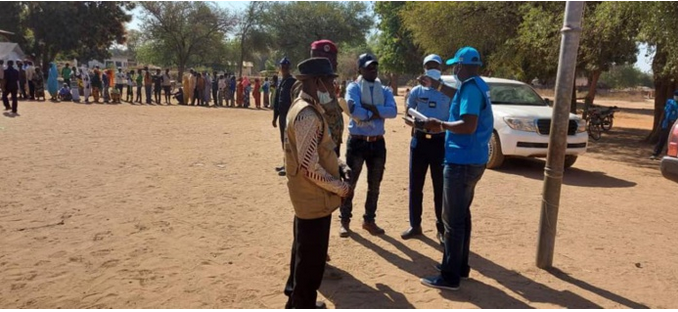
<point x="459" y="188"/>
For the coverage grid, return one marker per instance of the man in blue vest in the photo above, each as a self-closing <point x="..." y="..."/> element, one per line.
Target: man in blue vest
<point x="669" y="117"/>
<point x="427" y="149"/>
<point x="468" y="132"/>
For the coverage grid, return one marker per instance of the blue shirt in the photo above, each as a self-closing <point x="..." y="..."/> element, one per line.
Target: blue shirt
<point x="670" y="113"/>
<point x="473" y="98"/>
<point x="430" y="102"/>
<point x="368" y="127"/>
<point x="264" y="87"/>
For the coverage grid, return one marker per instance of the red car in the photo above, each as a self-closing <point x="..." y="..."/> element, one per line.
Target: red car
<point x="669" y="164"/>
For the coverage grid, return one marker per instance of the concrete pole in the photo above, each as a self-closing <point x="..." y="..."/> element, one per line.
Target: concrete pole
<point x="553" y="172"/>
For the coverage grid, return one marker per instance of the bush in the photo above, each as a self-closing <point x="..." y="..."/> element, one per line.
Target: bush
<point x="626" y="76"/>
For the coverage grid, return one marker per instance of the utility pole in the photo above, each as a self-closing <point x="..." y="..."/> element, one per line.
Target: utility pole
<point x="553" y="172"/>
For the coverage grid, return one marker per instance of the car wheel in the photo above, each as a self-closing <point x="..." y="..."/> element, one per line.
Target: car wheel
<point x="496" y="158"/>
<point x="570" y="160"/>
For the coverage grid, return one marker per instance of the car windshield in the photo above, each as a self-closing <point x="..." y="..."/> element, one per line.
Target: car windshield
<point x="514" y="94"/>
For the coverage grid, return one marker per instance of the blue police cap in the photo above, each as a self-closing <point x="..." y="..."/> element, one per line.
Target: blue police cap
<point x="285" y="61"/>
<point x="433" y="58"/>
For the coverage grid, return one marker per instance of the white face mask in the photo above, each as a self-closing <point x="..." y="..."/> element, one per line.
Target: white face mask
<point x="433" y="73"/>
<point x="457" y="81"/>
<point x="324" y="97"/>
<point x="675" y="98"/>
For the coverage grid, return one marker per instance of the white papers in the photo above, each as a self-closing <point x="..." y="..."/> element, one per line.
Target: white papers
<point x="417" y="115"/>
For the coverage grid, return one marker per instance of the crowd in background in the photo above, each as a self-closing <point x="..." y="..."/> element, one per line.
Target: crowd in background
<point x="142" y="86"/>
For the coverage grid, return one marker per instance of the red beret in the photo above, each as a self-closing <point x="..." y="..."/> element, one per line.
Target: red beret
<point x="325" y="46"/>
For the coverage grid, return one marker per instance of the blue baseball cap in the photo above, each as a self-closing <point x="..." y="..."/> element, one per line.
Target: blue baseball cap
<point x="366" y="59"/>
<point x="433" y="58"/>
<point x="466" y="56"/>
<point x="285" y="61"/>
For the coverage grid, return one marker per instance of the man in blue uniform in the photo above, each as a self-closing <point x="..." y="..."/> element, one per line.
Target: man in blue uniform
<point x="370" y="103"/>
<point x="469" y="129"/>
<point x="282" y="103"/>
<point x="427" y="149"/>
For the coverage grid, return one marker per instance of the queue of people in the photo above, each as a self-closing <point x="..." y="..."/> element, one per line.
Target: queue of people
<point x="142" y="86"/>
<point x="452" y="143"/>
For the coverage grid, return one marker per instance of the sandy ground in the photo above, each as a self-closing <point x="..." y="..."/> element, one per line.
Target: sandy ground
<point x="127" y="206"/>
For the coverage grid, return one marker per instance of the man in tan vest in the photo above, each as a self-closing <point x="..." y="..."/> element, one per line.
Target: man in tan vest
<point x="314" y="181"/>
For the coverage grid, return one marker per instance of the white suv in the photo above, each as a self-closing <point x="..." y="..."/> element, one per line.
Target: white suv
<point x="522" y="122"/>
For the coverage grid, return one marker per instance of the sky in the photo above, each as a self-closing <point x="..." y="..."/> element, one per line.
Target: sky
<point x="643" y="63"/>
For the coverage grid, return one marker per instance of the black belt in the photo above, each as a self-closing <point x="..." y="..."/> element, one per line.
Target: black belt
<point x="367" y="138"/>
<point x="428" y="136"/>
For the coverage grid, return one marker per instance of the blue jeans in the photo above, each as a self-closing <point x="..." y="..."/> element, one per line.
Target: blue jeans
<point x="372" y="154"/>
<point x="459" y="186"/>
<point x="424" y="154"/>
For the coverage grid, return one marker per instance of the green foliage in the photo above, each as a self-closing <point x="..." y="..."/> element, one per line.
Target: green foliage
<point x="251" y="32"/>
<point x="184" y="32"/>
<point x="294" y="25"/>
<point x="626" y="76"/>
<point x="659" y="28"/>
<point x="46" y="28"/>
<point x="444" y="27"/>
<point x="396" y="49"/>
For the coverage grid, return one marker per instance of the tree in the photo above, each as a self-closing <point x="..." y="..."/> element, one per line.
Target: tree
<point x="40" y="27"/>
<point x="185" y="29"/>
<point x="486" y="26"/>
<point x="251" y="33"/>
<point x="294" y="25"/>
<point x="626" y="76"/>
<point x="397" y="52"/>
<point x="609" y="37"/>
<point x="659" y="28"/>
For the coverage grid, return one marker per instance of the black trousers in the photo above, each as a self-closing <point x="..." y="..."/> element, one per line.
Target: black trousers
<point x="307" y="264"/>
<point x="214" y="95"/>
<point x="5" y="99"/>
<point x="282" y="123"/>
<point x="426" y="152"/>
<point x="31" y="89"/>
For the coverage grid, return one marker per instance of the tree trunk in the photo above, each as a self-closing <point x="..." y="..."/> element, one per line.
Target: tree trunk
<point x="242" y="54"/>
<point x="591" y="95"/>
<point x="180" y="76"/>
<point x="394" y="83"/>
<point x="663" y="86"/>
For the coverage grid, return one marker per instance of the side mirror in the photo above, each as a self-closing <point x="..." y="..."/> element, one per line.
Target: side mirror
<point x="548" y="102"/>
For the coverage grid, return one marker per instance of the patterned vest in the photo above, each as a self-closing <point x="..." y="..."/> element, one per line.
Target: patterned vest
<point x="310" y="201"/>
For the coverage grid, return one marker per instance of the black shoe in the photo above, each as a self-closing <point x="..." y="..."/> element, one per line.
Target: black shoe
<point x="411" y="233"/>
<point x="278" y="169"/>
<point x="282" y="173"/>
<point x="438" y="282"/>
<point x="439" y="268"/>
